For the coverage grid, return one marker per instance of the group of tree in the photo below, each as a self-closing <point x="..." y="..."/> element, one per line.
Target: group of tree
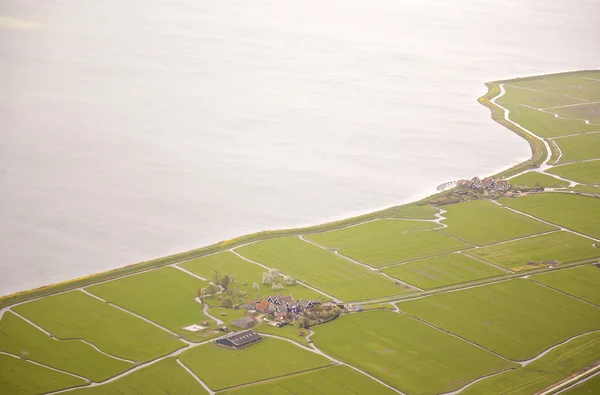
<point x="274" y="279"/>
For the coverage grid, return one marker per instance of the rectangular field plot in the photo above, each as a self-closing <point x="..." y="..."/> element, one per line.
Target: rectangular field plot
<point x="514" y="93"/>
<point x="19" y="377"/>
<point x="405" y="353"/>
<point x="517" y="319"/>
<point x="338" y="380"/>
<point x="165" y="296"/>
<point x="221" y="367"/>
<point x="569" y="86"/>
<point x="582" y="172"/>
<point x="321" y="269"/>
<point x="587" y="111"/>
<point x="245" y="273"/>
<point x="386" y="242"/>
<point x="582" y="282"/>
<point x="578" y="213"/>
<point x="585" y="146"/>
<point x="533" y="178"/>
<point x="482" y="222"/>
<point x="559" y="246"/>
<point x="442" y="270"/>
<point x="19" y="338"/>
<point x="75" y="315"/>
<point x="163" y="377"/>
<point x="553" y="367"/>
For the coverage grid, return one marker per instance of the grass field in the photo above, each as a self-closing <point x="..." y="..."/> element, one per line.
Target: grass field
<point x="382" y="243"/>
<point x="585" y="146"/>
<point x="482" y="222"/>
<point x="75" y="315"/>
<point x="162" y="378"/>
<point x="442" y="270"/>
<point x="582" y="282"/>
<point x="407" y="354"/>
<point x="582" y="172"/>
<point x="412" y="211"/>
<point x="245" y="272"/>
<point x="587" y="111"/>
<point x="590" y="387"/>
<point x="532" y="178"/>
<point x="593" y="189"/>
<point x="517" y="319"/>
<point x="338" y="380"/>
<point x="18" y="377"/>
<point x="560" y="246"/>
<point x="221" y="367"/>
<point x="546" y="371"/>
<point x="514" y="93"/>
<point x="578" y="213"/>
<point x="165" y="296"/>
<point x="19" y="338"/>
<point x="321" y="269"/>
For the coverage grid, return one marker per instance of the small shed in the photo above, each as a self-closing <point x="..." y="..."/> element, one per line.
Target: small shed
<point x="239" y="339"/>
<point x="244" y="322"/>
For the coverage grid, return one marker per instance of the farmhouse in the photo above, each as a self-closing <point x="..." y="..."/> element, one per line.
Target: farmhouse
<point x="244" y="322"/>
<point x="487" y="183"/>
<point x="239" y="339"/>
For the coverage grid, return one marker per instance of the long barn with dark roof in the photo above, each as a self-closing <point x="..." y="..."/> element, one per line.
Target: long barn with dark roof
<point x="239" y="339"/>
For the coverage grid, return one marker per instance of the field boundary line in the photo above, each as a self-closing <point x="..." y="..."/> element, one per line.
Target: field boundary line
<point x="546" y="351"/>
<point x="464" y="387"/>
<point x="571" y="382"/>
<point x="49" y="367"/>
<point x="564" y="293"/>
<point x="202" y="383"/>
<point x="504" y="269"/>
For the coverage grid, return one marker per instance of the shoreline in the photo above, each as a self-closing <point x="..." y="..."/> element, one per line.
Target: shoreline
<point x="538" y="152"/>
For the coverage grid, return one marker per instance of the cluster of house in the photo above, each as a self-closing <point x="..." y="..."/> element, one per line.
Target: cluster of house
<point x="281" y="307"/>
<point x="487" y="183"/>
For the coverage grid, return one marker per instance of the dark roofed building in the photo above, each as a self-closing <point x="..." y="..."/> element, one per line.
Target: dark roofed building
<point x="244" y="322"/>
<point x="239" y="339"/>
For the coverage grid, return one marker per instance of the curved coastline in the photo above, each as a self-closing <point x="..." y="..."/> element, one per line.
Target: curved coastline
<point x="497" y="113"/>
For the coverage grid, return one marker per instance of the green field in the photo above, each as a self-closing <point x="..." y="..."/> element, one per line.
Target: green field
<point x="221" y="367"/>
<point x="593" y="189"/>
<point x="412" y="211"/>
<point x="162" y="378"/>
<point x="517" y="319"/>
<point x="19" y="338"/>
<point x="405" y="353"/>
<point x="382" y="243"/>
<point x="589" y="387"/>
<point x="578" y="213"/>
<point x="338" y="380"/>
<point x="18" y="377"/>
<point x="582" y="147"/>
<point x="532" y="178"/>
<point x="587" y="111"/>
<point x="582" y="172"/>
<point x="245" y="273"/>
<point x="514" y="93"/>
<point x="165" y="296"/>
<point x="442" y="270"/>
<point x="553" y="367"/>
<point x="560" y="246"/>
<point x="482" y="222"/>
<point x="582" y="282"/>
<point x="75" y="315"/>
<point x="569" y="86"/>
<point x="321" y="269"/>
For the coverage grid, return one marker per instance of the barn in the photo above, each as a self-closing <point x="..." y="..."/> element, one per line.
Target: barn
<point x="244" y="322"/>
<point x="239" y="339"/>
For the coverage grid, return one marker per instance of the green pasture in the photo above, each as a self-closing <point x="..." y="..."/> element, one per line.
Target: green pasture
<point x="559" y="246"/>
<point x="515" y="93"/>
<point x="19" y="377"/>
<point x="533" y="178"/>
<point x="582" y="282"/>
<point x="165" y="296"/>
<point x="412" y="211"/>
<point x="75" y="315"/>
<point x="589" y="387"/>
<point x="288" y="331"/>
<point x="593" y="189"/>
<point x="221" y="367"/>
<point x="482" y="222"/>
<point x="338" y="380"/>
<point x="582" y="147"/>
<point x="405" y="353"/>
<point x="553" y="367"/>
<point x="517" y="319"/>
<point x="582" y="172"/>
<point x="19" y="338"/>
<point x="321" y="269"/>
<point x="386" y="242"/>
<point x="587" y="111"/>
<point x="161" y="378"/>
<point x="568" y="86"/>
<point x="578" y="213"/>
<point x="442" y="270"/>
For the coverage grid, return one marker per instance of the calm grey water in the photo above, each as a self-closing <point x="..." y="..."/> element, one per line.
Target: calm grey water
<point x="131" y="130"/>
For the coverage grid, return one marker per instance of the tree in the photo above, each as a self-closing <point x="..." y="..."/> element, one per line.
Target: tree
<point x="216" y="277"/>
<point x="301" y="322"/>
<point x="270" y="277"/>
<point x="255" y="286"/>
<point x="212" y="289"/>
<point x="227" y="280"/>
<point x="201" y="294"/>
<point x="289" y="280"/>
<point x="276" y="286"/>
<point x="227" y="302"/>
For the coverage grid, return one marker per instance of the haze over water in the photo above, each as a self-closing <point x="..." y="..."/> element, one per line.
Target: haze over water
<point x="132" y="130"/>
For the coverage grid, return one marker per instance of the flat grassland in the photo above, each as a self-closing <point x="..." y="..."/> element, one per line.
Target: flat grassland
<point x="385" y="242"/>
<point x="245" y="272"/>
<point x="442" y="270"/>
<point x="338" y="380"/>
<point x="75" y="315"/>
<point x="165" y="296"/>
<point x="532" y="178"/>
<point x="405" y="353"/>
<point x="321" y="269"/>
<point x="412" y="211"/>
<point x="19" y="338"/>
<point x="583" y="172"/>
<point x="560" y="246"/>
<point x="482" y="222"/>
<point x="581" y="147"/>
<point x="590" y="387"/>
<point x="582" y="282"/>
<point x="19" y="377"/>
<point x="578" y="213"/>
<point x="163" y="377"/>
<point x="221" y="367"/>
<point x="517" y="318"/>
<point x="553" y="367"/>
